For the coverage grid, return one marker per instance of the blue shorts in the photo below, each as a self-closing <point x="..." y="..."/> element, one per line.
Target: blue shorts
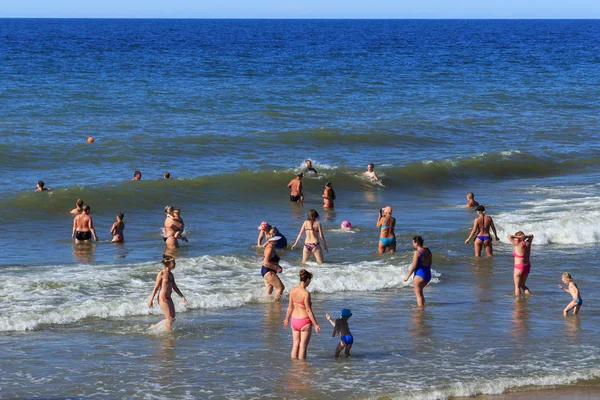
<point x="348" y="339"/>
<point x="579" y="301"/>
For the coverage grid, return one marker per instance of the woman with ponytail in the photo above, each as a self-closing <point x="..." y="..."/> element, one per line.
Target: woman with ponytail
<point x="300" y="316"/>
<point x="421" y="266"/>
<point x="314" y="232"/>
<point x="165" y="282"/>
<point x="482" y="225"/>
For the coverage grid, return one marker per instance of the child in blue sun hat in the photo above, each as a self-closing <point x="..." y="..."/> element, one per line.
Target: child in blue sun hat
<point x="340" y="327"/>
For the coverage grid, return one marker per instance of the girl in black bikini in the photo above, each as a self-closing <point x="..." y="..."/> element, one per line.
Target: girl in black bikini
<point x="314" y="232"/>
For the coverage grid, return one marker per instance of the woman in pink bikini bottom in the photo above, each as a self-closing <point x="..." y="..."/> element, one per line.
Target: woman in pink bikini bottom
<point x="521" y="253"/>
<point x="299" y="313"/>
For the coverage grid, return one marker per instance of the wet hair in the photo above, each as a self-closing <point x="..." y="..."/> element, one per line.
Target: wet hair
<point x="567" y="275"/>
<point x="371" y="165"/>
<point x="79" y="203"/>
<point x="137" y="173"/>
<point x="480" y="208"/>
<point x="299" y="174"/>
<point x="328" y="184"/>
<point x="470" y="195"/>
<point x="120" y="216"/>
<point x="308" y="161"/>
<point x="86" y="208"/>
<point x="41" y="183"/>
<point x="312" y="217"/>
<point x="167" y="175"/>
<point x="419" y="240"/>
<point x="305" y="275"/>
<point x="167" y="259"/>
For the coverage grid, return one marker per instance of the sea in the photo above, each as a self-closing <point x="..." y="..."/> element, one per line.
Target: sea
<point x="506" y="109"/>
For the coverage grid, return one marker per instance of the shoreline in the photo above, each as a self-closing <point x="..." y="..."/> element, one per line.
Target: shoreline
<point x="572" y="392"/>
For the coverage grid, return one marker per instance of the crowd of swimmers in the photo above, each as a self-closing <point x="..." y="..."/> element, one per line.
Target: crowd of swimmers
<point x="299" y="313"/>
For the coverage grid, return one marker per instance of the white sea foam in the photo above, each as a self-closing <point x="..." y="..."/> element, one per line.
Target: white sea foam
<point x="498" y="386"/>
<point x="560" y="218"/>
<point x="34" y="296"/>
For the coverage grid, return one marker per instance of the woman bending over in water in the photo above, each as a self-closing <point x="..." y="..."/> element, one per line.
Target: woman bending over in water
<point x="165" y="282"/>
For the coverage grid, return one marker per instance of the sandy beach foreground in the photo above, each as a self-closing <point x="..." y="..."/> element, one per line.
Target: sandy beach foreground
<point x="585" y="392"/>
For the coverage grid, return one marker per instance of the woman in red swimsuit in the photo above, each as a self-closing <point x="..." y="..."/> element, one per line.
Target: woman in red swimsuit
<point x="521" y="252"/>
<point x="302" y="317"/>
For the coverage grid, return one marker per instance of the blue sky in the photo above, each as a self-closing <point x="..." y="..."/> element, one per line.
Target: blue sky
<point x="302" y="9"/>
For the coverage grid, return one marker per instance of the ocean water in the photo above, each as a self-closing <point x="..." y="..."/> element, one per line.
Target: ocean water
<point x="231" y="108"/>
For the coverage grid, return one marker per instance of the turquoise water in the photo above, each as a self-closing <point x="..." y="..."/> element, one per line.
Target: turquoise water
<point x="232" y="108"/>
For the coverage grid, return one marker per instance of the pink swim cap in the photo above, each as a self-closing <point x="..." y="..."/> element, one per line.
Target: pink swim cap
<point x="347" y="225"/>
<point x="263" y="225"/>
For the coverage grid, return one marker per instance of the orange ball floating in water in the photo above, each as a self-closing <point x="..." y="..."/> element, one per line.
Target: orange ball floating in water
<point x="90" y="140"/>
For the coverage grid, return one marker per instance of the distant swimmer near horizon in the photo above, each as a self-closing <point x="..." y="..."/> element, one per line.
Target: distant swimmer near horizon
<point x="165" y="282"/>
<point x="78" y="207"/>
<point x="40" y="187"/>
<point x="83" y="227"/>
<point x="370" y="173"/>
<point x="137" y="176"/>
<point x="482" y="225"/>
<point x="309" y="168"/>
<point x="471" y="200"/>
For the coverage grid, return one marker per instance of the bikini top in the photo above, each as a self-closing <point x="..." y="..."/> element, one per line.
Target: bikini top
<point x="482" y="226"/>
<point x="384" y="226"/>
<point x="516" y="255"/>
<point x="300" y="303"/>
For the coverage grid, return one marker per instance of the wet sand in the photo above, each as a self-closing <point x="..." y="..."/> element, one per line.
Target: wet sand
<point x="587" y="392"/>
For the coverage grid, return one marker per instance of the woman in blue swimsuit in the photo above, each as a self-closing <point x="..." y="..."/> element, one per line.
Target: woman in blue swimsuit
<point x="482" y="226"/>
<point x="421" y="266"/>
<point x="387" y="237"/>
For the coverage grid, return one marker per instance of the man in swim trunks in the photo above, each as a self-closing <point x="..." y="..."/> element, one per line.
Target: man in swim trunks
<point x="295" y="186"/>
<point x="83" y="227"/>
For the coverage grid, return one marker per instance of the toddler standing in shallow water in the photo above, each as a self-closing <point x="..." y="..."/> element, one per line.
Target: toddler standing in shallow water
<point x="573" y="290"/>
<point x="340" y="327"/>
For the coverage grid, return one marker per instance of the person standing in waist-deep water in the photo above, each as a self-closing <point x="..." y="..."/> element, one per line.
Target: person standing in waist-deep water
<point x="40" y="187"/>
<point x="295" y="186"/>
<point x="471" y="200"/>
<point x="482" y="225"/>
<point x="137" y="176"/>
<point x="370" y="173"/>
<point x="328" y="196"/>
<point x="266" y="231"/>
<point x="573" y="290"/>
<point x="270" y="269"/>
<point x="78" y="207"/>
<point x="165" y="282"/>
<point x="314" y="232"/>
<point x="387" y="236"/>
<point x="309" y="168"/>
<point x="116" y="230"/>
<point x="341" y="328"/>
<point x="521" y="254"/>
<point x="173" y="227"/>
<point x="83" y="226"/>
<point x="421" y="266"/>
<point x="300" y="316"/>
